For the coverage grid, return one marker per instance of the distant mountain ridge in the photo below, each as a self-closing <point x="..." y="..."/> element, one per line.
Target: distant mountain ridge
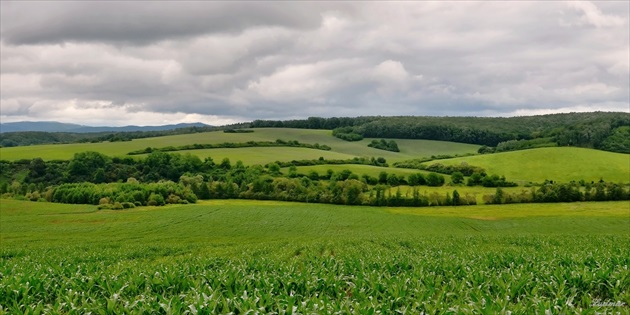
<point x="53" y="126"/>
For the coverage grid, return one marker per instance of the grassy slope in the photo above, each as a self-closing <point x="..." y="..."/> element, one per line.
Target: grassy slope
<point x="560" y="164"/>
<point x="340" y="148"/>
<point x="226" y="222"/>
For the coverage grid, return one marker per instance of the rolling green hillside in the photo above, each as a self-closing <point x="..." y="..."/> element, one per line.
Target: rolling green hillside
<point x="340" y="149"/>
<point x="561" y="164"/>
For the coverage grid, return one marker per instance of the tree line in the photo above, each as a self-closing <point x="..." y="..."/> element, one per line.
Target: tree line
<point x="22" y="138"/>
<point x="608" y="131"/>
<point x="248" y="144"/>
<point x="383" y="144"/>
<point x="163" y="178"/>
<point x="601" y="130"/>
<point x="562" y="192"/>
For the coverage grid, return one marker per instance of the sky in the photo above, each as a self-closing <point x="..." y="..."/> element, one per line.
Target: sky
<point x="151" y="63"/>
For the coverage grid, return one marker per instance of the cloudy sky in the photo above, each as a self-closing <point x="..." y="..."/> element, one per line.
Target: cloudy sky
<point x="150" y="63"/>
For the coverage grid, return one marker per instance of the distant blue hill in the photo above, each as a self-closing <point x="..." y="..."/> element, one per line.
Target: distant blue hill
<point x="53" y="126"/>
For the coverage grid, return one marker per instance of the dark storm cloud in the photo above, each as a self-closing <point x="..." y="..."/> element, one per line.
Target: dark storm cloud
<point x="219" y="62"/>
<point x="144" y="22"/>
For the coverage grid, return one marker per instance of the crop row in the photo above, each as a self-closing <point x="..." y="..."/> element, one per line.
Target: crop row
<point x="500" y="275"/>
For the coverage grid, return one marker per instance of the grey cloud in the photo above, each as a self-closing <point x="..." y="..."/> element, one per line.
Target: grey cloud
<point x="285" y="60"/>
<point x="143" y="22"/>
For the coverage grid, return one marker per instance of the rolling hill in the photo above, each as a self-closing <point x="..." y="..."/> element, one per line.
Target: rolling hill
<point x="340" y="149"/>
<point x="53" y="126"/>
<point x="562" y="164"/>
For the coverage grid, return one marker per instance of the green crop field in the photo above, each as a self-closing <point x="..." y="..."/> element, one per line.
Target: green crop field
<point x="273" y="257"/>
<point x="562" y="164"/>
<point x="340" y="149"/>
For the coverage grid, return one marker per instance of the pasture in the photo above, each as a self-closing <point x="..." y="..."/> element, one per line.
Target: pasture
<point x="340" y="149"/>
<point x="224" y="256"/>
<point x="561" y="164"/>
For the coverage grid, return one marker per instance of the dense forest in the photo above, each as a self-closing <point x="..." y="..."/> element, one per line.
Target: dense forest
<point x="600" y="130"/>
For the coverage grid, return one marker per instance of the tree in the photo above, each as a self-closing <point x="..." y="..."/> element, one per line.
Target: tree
<point x="416" y="179"/>
<point x="474" y="179"/>
<point x="497" y="198"/>
<point x="393" y="180"/>
<point x="382" y="177"/>
<point x="293" y="171"/>
<point x="457" y="178"/>
<point x="435" y="180"/>
<point x="456" y="198"/>
<point x="155" y="200"/>
<point x="274" y="168"/>
<point x="99" y="176"/>
<point x="225" y="164"/>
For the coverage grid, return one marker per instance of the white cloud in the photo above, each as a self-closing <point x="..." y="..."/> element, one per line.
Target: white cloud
<point x="592" y="15"/>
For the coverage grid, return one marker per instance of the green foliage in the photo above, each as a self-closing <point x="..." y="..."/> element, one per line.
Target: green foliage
<point x="383" y="144"/>
<point x="416" y="179"/>
<point x="463" y="168"/>
<point x="457" y="177"/>
<point x="523" y="144"/>
<point x="563" y="192"/>
<point x="573" y="129"/>
<point x="434" y="179"/>
<point x="618" y="141"/>
<point x="238" y="131"/>
<point x="347" y="133"/>
<point x="120" y="195"/>
<point x="322" y="161"/>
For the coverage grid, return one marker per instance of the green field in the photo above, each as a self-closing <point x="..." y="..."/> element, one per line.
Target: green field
<point x="559" y="164"/>
<point x="340" y="149"/>
<point x="274" y="257"/>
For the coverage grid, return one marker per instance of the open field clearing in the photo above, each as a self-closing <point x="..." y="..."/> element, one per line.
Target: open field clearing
<point x="409" y="148"/>
<point x="236" y="256"/>
<point x="562" y="164"/>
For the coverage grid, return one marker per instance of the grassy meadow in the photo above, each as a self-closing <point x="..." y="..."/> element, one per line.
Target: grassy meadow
<point x="242" y="256"/>
<point x="561" y="164"/>
<point x="340" y="149"/>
